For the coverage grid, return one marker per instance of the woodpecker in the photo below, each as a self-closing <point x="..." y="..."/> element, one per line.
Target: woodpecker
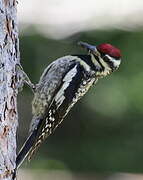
<point x="61" y="85"/>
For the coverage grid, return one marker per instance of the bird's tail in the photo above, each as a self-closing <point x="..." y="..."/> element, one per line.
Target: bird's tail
<point x="29" y="143"/>
<point x="24" y="151"/>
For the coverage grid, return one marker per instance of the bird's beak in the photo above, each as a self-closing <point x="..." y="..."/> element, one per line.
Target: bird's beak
<point x="87" y="46"/>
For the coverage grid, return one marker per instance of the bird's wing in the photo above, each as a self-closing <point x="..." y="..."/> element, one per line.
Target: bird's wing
<point x="50" y="85"/>
<point x="63" y="100"/>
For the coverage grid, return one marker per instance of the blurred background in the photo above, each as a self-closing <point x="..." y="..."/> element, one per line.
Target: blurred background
<point x="102" y="136"/>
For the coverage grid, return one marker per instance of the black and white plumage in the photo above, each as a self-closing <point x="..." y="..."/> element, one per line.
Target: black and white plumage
<point x="61" y="85"/>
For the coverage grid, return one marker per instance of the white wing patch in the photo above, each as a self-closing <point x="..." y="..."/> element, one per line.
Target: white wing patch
<point x="59" y="98"/>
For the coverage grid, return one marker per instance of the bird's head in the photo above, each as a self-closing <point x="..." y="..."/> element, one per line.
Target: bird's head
<point x="104" y="55"/>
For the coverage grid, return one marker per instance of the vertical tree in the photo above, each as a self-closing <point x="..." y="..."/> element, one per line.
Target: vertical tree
<point x="9" y="58"/>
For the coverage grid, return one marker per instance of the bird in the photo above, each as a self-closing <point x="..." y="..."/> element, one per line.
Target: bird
<point x="61" y="85"/>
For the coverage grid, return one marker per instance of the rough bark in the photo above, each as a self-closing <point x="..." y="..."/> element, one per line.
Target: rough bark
<point x="9" y="57"/>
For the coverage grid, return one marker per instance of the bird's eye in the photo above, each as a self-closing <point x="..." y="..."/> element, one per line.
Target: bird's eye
<point x="106" y="58"/>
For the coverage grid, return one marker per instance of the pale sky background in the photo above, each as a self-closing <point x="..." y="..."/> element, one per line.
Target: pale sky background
<point x="60" y="18"/>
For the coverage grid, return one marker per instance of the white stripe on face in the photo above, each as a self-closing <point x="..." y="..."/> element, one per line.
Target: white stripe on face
<point x="115" y="62"/>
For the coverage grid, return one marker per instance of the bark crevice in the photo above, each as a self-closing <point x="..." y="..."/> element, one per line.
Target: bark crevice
<point x="9" y="58"/>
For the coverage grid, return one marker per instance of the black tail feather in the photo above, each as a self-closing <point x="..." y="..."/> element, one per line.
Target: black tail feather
<point x="26" y="149"/>
<point x="23" y="153"/>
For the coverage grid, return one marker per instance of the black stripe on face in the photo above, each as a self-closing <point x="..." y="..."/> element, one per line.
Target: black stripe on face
<point x="88" y="61"/>
<point x="109" y="62"/>
<point x="98" y="60"/>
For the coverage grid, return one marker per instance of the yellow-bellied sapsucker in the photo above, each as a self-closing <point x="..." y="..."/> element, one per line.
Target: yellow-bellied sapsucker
<point x="61" y="85"/>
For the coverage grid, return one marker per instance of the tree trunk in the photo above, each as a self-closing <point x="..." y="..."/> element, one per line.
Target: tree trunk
<point x="9" y="58"/>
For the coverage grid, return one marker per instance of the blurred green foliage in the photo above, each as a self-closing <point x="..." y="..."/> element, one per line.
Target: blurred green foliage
<point x="104" y="131"/>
